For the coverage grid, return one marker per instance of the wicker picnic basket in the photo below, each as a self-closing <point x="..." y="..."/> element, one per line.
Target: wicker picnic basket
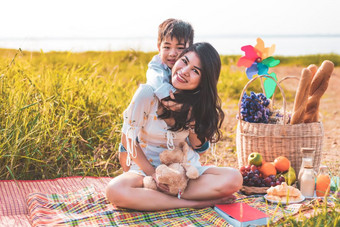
<point x="251" y="190"/>
<point x="273" y="140"/>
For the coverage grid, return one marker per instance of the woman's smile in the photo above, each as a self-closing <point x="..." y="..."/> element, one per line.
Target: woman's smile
<point x="180" y="78"/>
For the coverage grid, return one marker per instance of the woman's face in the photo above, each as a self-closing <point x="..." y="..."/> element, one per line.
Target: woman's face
<point x="186" y="73"/>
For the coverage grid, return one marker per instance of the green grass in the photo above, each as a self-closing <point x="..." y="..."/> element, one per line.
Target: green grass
<point x="61" y="112"/>
<point x="323" y="215"/>
<point x="309" y="59"/>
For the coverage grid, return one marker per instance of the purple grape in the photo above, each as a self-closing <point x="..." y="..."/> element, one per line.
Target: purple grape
<point x="268" y="180"/>
<point x="282" y="179"/>
<point x="250" y="174"/>
<point x="258" y="181"/>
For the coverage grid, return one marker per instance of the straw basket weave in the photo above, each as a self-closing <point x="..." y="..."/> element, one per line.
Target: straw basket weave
<point x="273" y="140"/>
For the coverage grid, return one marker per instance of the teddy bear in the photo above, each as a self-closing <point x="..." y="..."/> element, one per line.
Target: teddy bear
<point x="174" y="171"/>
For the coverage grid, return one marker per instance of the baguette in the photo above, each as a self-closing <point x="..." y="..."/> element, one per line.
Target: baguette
<point x="318" y="87"/>
<point x="301" y="97"/>
<point x="313" y="68"/>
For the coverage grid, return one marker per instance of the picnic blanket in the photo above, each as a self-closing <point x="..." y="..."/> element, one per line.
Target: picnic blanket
<point x="13" y="194"/>
<point x="90" y="207"/>
<point x="78" y="201"/>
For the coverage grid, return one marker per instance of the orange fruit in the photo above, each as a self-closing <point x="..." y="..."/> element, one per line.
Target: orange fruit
<point x="267" y="169"/>
<point x="282" y="164"/>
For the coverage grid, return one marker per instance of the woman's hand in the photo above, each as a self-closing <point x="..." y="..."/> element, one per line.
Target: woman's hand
<point x="172" y="105"/>
<point x="162" y="187"/>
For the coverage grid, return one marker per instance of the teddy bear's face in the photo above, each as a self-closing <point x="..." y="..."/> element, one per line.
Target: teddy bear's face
<point x="178" y="155"/>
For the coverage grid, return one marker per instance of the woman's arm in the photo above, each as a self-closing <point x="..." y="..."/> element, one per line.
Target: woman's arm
<point x="140" y="159"/>
<point x="194" y="141"/>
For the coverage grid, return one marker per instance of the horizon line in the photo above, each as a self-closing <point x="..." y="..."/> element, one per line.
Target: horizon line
<point x="197" y="36"/>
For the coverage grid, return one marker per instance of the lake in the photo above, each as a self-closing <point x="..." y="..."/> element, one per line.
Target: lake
<point x="225" y="45"/>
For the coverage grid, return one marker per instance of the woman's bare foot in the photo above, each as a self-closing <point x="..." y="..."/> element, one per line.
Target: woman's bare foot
<point x="213" y="202"/>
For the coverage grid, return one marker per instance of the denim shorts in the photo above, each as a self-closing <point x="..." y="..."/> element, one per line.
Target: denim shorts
<point x="202" y="149"/>
<point x="121" y="148"/>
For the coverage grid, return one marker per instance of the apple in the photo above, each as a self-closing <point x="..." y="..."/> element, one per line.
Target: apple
<point x="255" y="159"/>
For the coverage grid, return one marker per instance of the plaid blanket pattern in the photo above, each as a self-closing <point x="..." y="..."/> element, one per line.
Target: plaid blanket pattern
<point x="88" y="207"/>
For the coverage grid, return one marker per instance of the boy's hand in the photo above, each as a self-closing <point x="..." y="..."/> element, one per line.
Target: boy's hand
<point x="162" y="187"/>
<point x="172" y="105"/>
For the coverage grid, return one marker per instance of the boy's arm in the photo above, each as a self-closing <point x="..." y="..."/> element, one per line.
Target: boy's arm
<point x="158" y="77"/>
<point x="196" y="143"/>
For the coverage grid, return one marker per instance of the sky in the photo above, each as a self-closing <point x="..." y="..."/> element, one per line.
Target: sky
<point x="137" y="18"/>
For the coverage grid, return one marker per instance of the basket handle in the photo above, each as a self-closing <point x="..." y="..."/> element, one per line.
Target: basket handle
<point x="278" y="85"/>
<point x="283" y="79"/>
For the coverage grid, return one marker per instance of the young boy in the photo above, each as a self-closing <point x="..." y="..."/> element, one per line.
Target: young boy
<point x="173" y="37"/>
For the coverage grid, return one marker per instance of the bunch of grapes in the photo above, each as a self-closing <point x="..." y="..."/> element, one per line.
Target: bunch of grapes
<point x="254" y="108"/>
<point x="252" y="177"/>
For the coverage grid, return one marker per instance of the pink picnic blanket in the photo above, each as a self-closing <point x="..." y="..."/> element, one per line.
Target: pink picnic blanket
<point x="13" y="195"/>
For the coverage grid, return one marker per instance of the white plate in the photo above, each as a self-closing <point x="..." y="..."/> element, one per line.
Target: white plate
<point x="314" y="197"/>
<point x="285" y="201"/>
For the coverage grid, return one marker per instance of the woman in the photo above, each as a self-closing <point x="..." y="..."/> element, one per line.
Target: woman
<point x="149" y="128"/>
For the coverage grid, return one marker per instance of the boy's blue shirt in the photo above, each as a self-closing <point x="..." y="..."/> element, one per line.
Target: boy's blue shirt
<point x="158" y="77"/>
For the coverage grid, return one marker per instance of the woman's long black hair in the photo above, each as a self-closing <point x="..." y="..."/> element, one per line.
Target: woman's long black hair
<point x="204" y="101"/>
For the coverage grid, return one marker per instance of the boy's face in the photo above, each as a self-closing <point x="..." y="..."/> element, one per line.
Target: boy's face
<point x="170" y="49"/>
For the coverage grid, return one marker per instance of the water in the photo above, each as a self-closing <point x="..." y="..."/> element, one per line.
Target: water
<point x="225" y="45"/>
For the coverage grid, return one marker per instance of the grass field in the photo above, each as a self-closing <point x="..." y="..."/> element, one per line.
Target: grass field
<point x="61" y="112"/>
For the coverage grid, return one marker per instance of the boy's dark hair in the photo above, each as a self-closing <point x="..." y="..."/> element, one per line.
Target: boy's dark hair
<point x="175" y="28"/>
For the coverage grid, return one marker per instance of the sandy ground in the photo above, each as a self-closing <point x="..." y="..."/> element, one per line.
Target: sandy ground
<point x="329" y="116"/>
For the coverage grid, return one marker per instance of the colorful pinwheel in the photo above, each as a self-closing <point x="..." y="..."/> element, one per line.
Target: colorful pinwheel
<point x="258" y="60"/>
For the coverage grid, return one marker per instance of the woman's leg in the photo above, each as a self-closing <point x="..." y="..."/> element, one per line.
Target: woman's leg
<point x="126" y="191"/>
<point x="215" y="182"/>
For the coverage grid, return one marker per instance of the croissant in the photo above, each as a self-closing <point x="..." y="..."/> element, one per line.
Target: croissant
<point x="281" y="192"/>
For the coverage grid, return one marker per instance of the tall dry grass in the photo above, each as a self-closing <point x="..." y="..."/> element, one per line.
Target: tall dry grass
<point x="60" y="112"/>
